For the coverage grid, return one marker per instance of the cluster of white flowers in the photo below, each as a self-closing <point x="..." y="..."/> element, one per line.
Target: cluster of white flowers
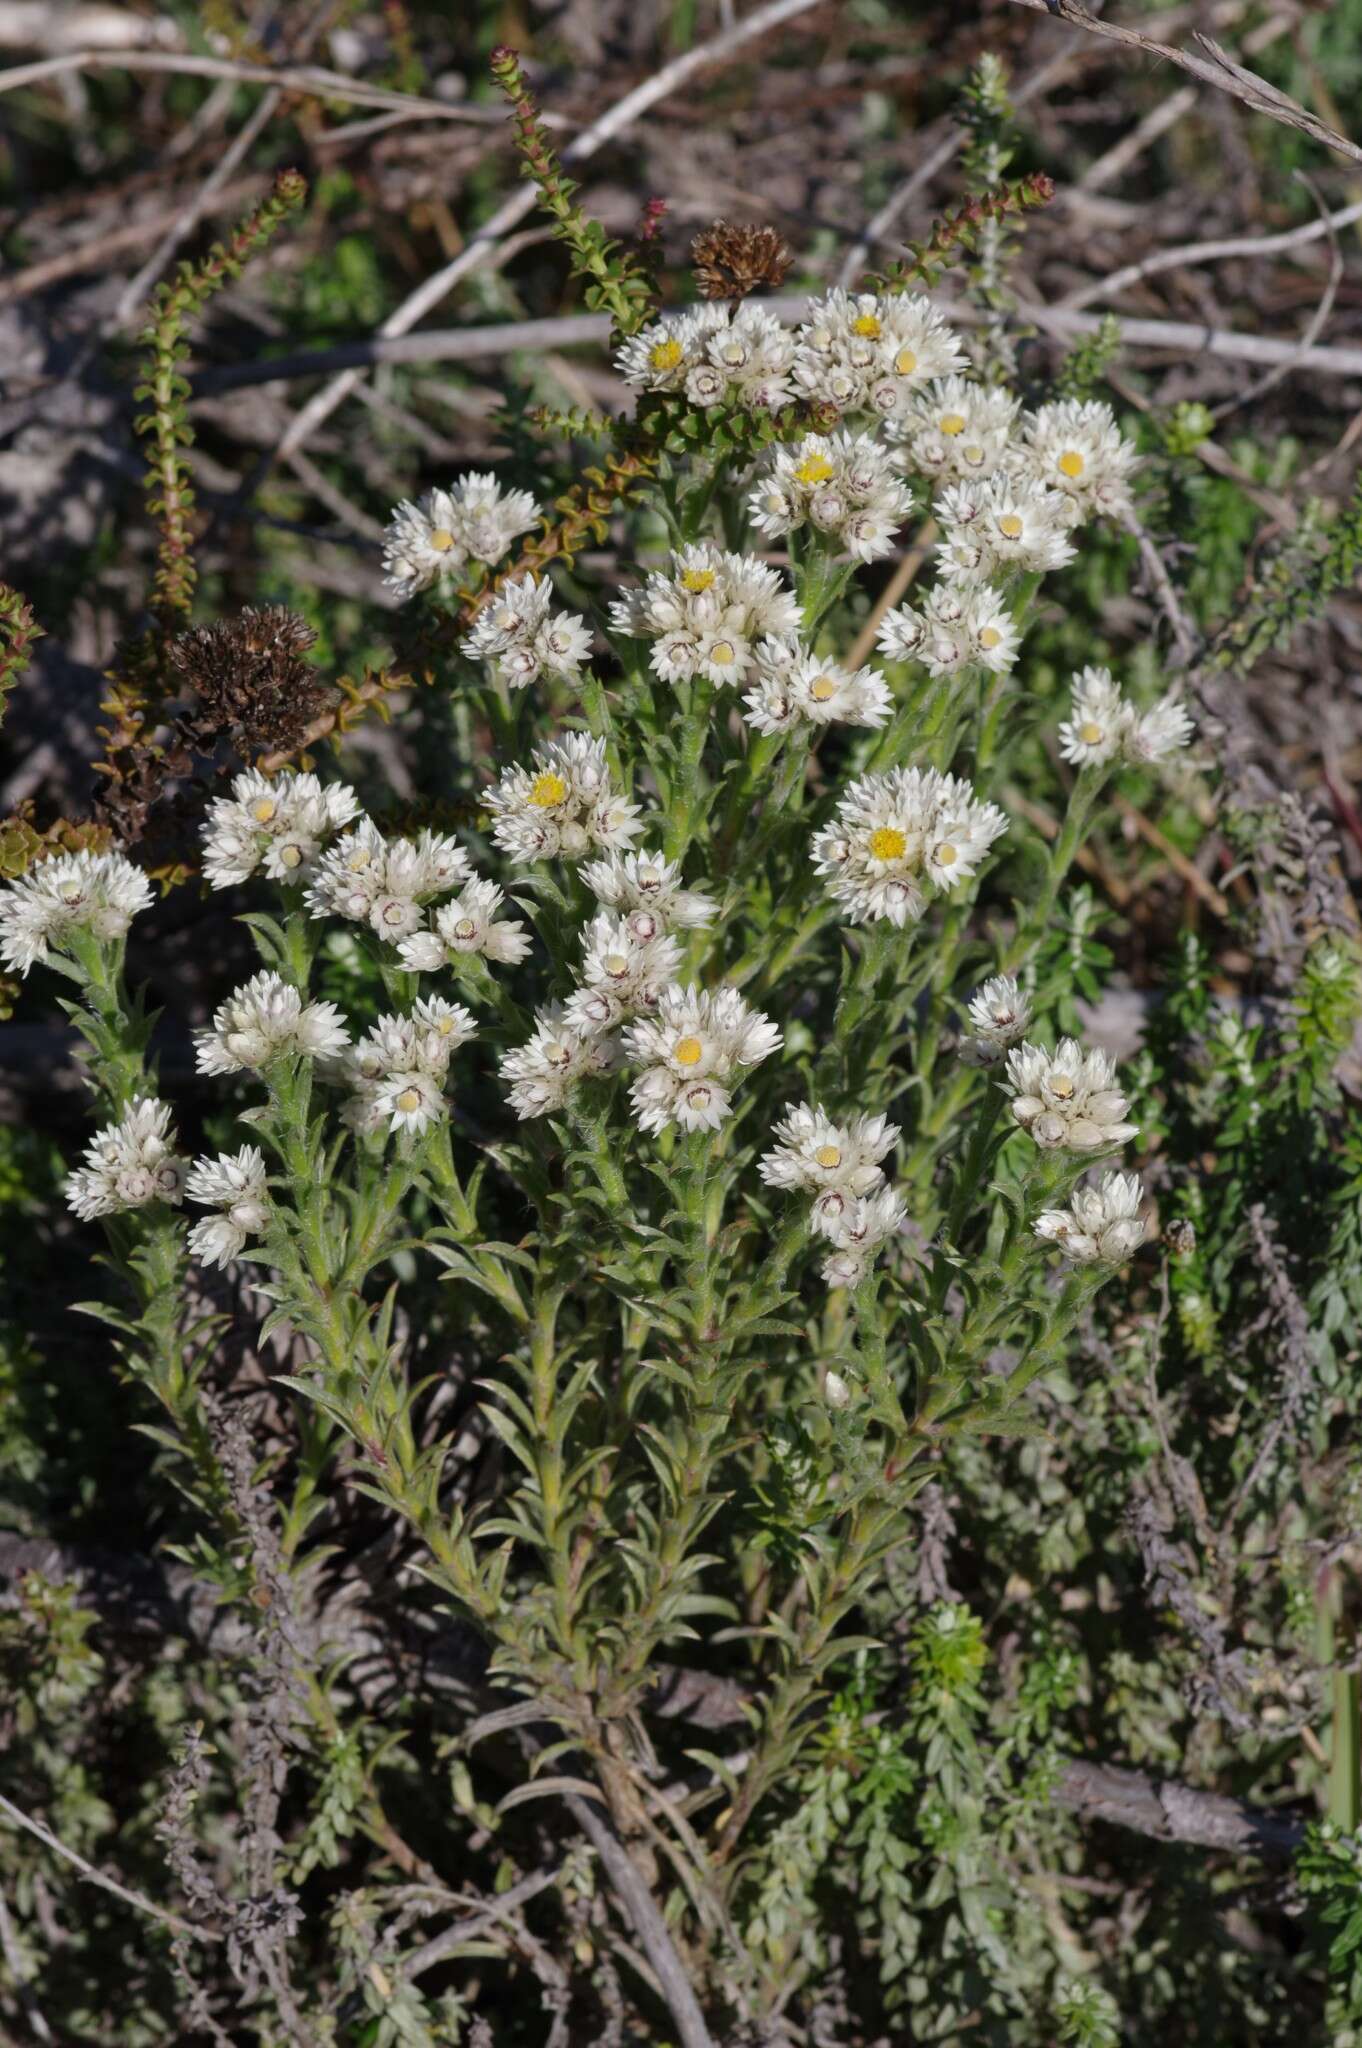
<point x="99" y="893"/>
<point x="843" y="485"/>
<point x="542" y="1073"/>
<point x="1067" y="1100"/>
<point x="236" y="1186"/>
<point x="956" y="428"/>
<point x="691" y="1050"/>
<point x="1103" y="726"/>
<point x="469" y="924"/>
<point x="1101" y="1225"/>
<point x="1076" y="448"/>
<point x="896" y="836"/>
<point x="521" y="637"/>
<point x="129" y="1164"/>
<point x="397" y="1071"/>
<point x="267" y="1020"/>
<point x="706" y="616"/>
<point x="715" y="356"/>
<point x="626" y="964"/>
<point x="434" y="539"/>
<point x="386" y="883"/>
<point x="792" y="687"/>
<point x="562" y="806"/>
<point x="279" y="823"/>
<point x="630" y="882"/>
<point x="1000" y="525"/>
<point x="864" y="353"/>
<point x="840" y="1166"/>
<point x="958" y="625"/>
<point x="999" y="1014"/>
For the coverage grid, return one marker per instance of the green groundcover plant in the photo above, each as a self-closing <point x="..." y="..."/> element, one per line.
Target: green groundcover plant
<point x="671" y="1192"/>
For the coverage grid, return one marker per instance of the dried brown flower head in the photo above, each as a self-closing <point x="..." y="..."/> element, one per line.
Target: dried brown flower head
<point x="729" y="262"/>
<point x="248" y="679"/>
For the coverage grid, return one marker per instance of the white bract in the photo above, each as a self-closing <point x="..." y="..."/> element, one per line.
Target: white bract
<point x="386" y="883"/>
<point x="836" y="1163"/>
<point x="861" y="1230"/>
<point x="542" y="1074"/>
<point x="715" y="356"/>
<point x="98" y="893"/>
<point x="867" y="353"/>
<point x="1002" y="525"/>
<point x="396" y="1072"/>
<point x="843" y="485"/>
<point x="521" y="637"/>
<point x="645" y="881"/>
<point x="957" y="626"/>
<point x="563" y="805"/>
<point x="1103" y="726"/>
<point x="999" y="1014"/>
<point x="276" y="823"/>
<point x="1101" y="1224"/>
<point x="626" y="963"/>
<point x="469" y="924"/>
<point x="705" y="617"/>
<point x="433" y="539"/>
<point x="235" y="1185"/>
<point x="264" y="1021"/>
<point x="1068" y="1099"/>
<point x="793" y="687"/>
<point x="128" y="1164"/>
<point x="691" y="1051"/>
<point x="1076" y="448"/>
<point x="956" y="428"/>
<point x="899" y="836"/>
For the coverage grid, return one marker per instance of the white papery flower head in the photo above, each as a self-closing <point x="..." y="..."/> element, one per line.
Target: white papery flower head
<point x="562" y="806"/>
<point x="705" y="616"/>
<point x="1002" y="524"/>
<point x="433" y="539"/>
<point x="716" y="355"/>
<point x="691" y="1050"/>
<point x="386" y="883"/>
<point x="645" y="881"/>
<point x="626" y="963"/>
<point x="1101" y="1225"/>
<point x="235" y="1184"/>
<point x="1075" y="447"/>
<point x="793" y="687"/>
<point x="958" y="625"/>
<point x="276" y="822"/>
<point x="1103" y="726"/>
<point x="1068" y="1099"/>
<point x="521" y="637"/>
<point x="397" y="1070"/>
<point x="467" y="925"/>
<point x="267" y="1020"/>
<point x="859" y="1232"/>
<point x="999" y="1014"/>
<point x="836" y="1163"/>
<point x="99" y="893"/>
<point x="843" y="485"/>
<point x="543" y="1073"/>
<point x="896" y="838"/>
<point x="956" y="428"/>
<point x="864" y="353"/>
<point x="128" y="1164"/>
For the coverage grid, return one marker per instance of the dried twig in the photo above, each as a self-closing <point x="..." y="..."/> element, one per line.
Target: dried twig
<point x="1209" y="252"/>
<point x="108" y="1884"/>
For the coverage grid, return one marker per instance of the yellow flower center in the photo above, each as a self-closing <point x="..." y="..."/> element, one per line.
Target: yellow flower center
<point x="292" y="857"/>
<point x="952" y="423"/>
<point x="70" y="892"/>
<point x="441" y="539"/>
<point x="867" y="325"/>
<point x="1072" y="463"/>
<point x="616" y="963"/>
<point x="1090" y="733"/>
<point x="696" y="580"/>
<point x="686" y="1052"/>
<point x="905" y="362"/>
<point x="827" y="1156"/>
<point x="989" y="637"/>
<point x="465" y="928"/>
<point x="665" y="355"/>
<point x="722" y="653"/>
<point x="887" y="843"/>
<point x="946" y="856"/>
<point x="409" y="1099"/>
<point x="821" y="688"/>
<point x="444" y="1025"/>
<point x="547" y="790"/>
<point x="264" y="810"/>
<point x="1010" y="525"/>
<point x="1062" y="1086"/>
<point x="814" y="469"/>
<point x="973" y="453"/>
<point x="358" y="861"/>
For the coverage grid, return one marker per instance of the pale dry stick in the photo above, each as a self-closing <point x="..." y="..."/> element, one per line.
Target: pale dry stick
<point x="1209" y="252"/>
<point x="314" y="80"/>
<point x="892" y="592"/>
<point x="92" y="255"/>
<point x="514" y="208"/>
<point x="1175" y="857"/>
<point x="1186" y="338"/>
<point x="1185" y="636"/>
<point x="1216" y="68"/>
<point x="108" y="1884"/>
<point x="1314" y="326"/>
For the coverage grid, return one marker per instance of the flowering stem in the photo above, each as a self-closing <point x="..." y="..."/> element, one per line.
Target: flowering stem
<point x="1031" y="928"/>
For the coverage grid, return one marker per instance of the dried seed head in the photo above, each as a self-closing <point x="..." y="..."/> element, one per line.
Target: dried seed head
<point x="249" y="677"/>
<point x="729" y="262"/>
